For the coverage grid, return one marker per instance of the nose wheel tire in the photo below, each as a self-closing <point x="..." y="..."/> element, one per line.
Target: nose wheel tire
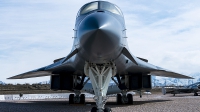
<point x="94" y="109"/>
<point x="107" y="109"/>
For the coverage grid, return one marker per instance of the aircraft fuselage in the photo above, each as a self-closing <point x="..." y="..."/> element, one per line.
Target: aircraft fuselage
<point x="99" y="37"/>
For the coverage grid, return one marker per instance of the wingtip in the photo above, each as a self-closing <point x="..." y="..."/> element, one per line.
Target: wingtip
<point x="191" y="78"/>
<point x="188" y="77"/>
<point x="11" y="78"/>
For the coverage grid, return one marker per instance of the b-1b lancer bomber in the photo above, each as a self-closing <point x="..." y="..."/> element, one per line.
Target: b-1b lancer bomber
<point x="100" y="54"/>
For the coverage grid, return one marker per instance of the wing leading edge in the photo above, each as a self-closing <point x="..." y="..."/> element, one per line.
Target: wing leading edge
<point x="31" y="74"/>
<point x="152" y="69"/>
<point x="169" y="74"/>
<point x="44" y="70"/>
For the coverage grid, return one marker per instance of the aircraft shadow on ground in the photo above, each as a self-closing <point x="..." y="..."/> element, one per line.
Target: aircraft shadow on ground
<point x="63" y="105"/>
<point x="136" y="103"/>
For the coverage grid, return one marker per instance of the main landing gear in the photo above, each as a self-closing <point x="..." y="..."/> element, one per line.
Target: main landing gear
<point x="195" y="94"/>
<point x="77" y="98"/>
<point x="124" y="98"/>
<point x="100" y="75"/>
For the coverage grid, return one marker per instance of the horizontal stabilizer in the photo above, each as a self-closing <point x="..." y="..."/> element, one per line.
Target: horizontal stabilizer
<point x="128" y="55"/>
<point x="169" y="74"/>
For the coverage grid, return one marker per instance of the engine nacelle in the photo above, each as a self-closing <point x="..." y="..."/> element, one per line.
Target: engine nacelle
<point x="62" y="82"/>
<point x="139" y="81"/>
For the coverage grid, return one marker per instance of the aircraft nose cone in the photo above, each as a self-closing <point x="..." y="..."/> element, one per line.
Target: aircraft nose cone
<point x="100" y="35"/>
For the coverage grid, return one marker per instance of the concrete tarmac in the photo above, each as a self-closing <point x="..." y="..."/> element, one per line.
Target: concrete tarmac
<point x="149" y="103"/>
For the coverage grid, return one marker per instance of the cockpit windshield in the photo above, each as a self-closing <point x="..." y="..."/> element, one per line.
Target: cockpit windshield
<point x="89" y="7"/>
<point x="110" y="7"/>
<point x="100" y="5"/>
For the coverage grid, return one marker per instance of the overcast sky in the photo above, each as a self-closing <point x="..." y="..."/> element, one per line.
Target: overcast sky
<point x="35" y="32"/>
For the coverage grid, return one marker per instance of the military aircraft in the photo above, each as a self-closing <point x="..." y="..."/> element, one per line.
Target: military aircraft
<point x="192" y="88"/>
<point x="100" y="54"/>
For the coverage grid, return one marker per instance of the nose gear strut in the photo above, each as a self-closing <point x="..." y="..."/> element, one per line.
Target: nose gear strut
<point x="100" y="75"/>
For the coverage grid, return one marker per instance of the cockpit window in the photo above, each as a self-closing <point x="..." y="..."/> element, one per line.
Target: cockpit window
<point x="110" y="7"/>
<point x="100" y="5"/>
<point x="89" y="7"/>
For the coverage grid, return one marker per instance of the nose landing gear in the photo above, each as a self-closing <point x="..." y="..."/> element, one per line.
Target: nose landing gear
<point x="100" y="76"/>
